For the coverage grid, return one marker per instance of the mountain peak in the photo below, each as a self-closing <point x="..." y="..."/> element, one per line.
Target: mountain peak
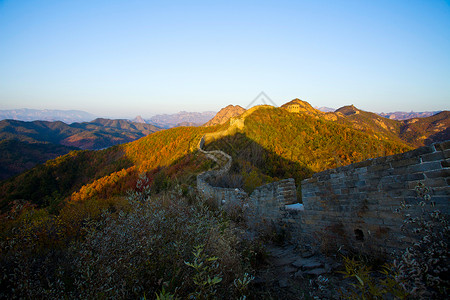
<point x="348" y="110"/>
<point x="225" y="114"/>
<point x="138" y="119"/>
<point x="300" y="106"/>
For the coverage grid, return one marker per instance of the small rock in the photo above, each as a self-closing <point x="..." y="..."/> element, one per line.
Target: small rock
<point x="307" y="254"/>
<point x="307" y="264"/>
<point x="298" y="263"/>
<point x="298" y="274"/>
<point x="289" y="269"/>
<point x="312" y="265"/>
<point x="283" y="282"/>
<point x="316" y="272"/>
<point x="283" y="261"/>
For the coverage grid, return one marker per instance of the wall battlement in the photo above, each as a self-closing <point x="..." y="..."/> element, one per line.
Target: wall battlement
<point x="357" y="202"/>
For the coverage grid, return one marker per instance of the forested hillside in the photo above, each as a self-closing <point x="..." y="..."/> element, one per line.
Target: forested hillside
<point x="277" y="144"/>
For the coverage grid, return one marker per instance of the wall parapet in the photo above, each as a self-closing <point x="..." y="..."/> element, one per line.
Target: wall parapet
<point x="357" y="201"/>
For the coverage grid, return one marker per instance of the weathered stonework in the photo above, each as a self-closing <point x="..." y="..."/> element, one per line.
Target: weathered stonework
<point x="355" y="204"/>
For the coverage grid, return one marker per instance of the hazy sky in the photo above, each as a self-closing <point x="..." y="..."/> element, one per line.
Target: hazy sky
<point x="128" y="58"/>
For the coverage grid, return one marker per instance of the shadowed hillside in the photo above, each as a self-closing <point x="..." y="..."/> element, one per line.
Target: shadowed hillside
<point x="17" y="157"/>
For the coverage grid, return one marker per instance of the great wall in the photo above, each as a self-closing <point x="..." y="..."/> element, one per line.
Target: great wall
<point x="352" y="205"/>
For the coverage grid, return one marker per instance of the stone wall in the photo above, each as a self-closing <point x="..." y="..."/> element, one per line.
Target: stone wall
<point x="270" y="199"/>
<point x="355" y="204"/>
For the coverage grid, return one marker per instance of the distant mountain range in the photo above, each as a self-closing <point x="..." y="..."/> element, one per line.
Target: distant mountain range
<point x="165" y="121"/>
<point x="398" y="115"/>
<point x="97" y="134"/>
<point x="25" y="144"/>
<point x="401" y="115"/>
<point x="66" y="116"/>
<point x="183" y="118"/>
<point x="325" y="109"/>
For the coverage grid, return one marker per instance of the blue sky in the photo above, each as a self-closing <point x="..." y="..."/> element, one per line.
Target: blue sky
<point x="128" y="58"/>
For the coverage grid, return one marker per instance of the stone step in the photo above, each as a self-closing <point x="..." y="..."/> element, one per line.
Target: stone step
<point x="307" y="263"/>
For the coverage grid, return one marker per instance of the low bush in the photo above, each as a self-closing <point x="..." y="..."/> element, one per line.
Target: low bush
<point x="122" y="254"/>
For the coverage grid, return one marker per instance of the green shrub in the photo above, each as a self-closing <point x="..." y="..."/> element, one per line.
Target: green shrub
<point x="368" y="285"/>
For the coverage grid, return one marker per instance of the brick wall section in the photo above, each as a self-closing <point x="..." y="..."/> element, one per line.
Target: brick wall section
<point x="270" y="199"/>
<point x="355" y="204"/>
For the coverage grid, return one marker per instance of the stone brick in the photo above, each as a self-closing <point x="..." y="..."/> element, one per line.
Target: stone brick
<point x="378" y="167"/>
<point x="445" y="163"/>
<point x="401" y="171"/>
<point x="433" y="156"/>
<point x="440" y="191"/>
<point x="309" y="180"/>
<point x="360" y="183"/>
<point x="418" y="151"/>
<point x="415" y="176"/>
<point x="447" y="153"/>
<point x="405" y="162"/>
<point x="368" y="188"/>
<point x="323" y="177"/>
<point x="429" y="166"/>
<point x="445" y="145"/>
<point x="392" y="186"/>
<point x="440" y="200"/>
<point x="435" y="182"/>
<point x="438" y="173"/>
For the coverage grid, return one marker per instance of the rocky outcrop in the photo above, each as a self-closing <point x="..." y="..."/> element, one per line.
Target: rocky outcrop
<point x="225" y="114"/>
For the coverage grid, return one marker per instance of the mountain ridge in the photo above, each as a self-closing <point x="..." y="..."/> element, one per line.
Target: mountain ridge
<point x="97" y="134"/>
<point x="225" y="114"/>
<point x="183" y="117"/>
<point x="27" y="114"/>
